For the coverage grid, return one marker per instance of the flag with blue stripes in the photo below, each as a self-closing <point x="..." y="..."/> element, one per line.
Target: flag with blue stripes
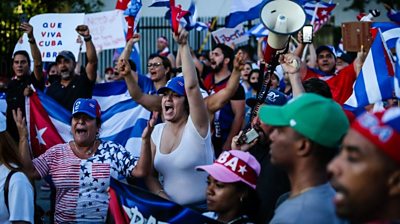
<point x="123" y="120"/>
<point x="258" y="31"/>
<point x="243" y="10"/>
<point x="159" y="3"/>
<point x="390" y="32"/>
<point x="375" y="81"/>
<point x="189" y="20"/>
<point x="3" y="103"/>
<point x="397" y="70"/>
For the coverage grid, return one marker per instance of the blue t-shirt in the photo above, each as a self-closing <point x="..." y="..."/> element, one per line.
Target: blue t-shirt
<point x="313" y="206"/>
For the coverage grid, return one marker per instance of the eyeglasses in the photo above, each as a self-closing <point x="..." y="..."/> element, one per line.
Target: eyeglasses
<point x="154" y="64"/>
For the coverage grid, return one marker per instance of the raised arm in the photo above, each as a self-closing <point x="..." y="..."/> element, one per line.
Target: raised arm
<point x="291" y="65"/>
<point x="216" y="101"/>
<point x="198" y="111"/>
<point x="91" y="66"/>
<point x="37" y="58"/>
<point x="144" y="164"/>
<point x="150" y="102"/>
<point x="23" y="146"/>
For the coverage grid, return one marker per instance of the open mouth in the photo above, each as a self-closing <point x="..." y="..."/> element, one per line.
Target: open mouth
<point x="168" y="108"/>
<point x="81" y="131"/>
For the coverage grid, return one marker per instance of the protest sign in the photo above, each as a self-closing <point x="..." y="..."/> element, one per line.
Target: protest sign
<point x="106" y="29"/>
<point x="53" y="33"/>
<point x="230" y="35"/>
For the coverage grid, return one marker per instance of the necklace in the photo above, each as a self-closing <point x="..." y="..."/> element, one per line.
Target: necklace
<point x="88" y="152"/>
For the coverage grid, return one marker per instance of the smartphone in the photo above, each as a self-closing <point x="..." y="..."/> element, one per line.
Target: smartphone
<point x="251" y="136"/>
<point x="307" y="32"/>
<point x="23" y="18"/>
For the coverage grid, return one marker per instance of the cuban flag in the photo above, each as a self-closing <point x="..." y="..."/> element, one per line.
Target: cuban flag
<point x="160" y="3"/>
<point x="375" y="81"/>
<point x="258" y="31"/>
<point x="3" y="103"/>
<point x="397" y="70"/>
<point x="123" y="120"/>
<point x="48" y="123"/>
<point x="243" y="10"/>
<point x="130" y="204"/>
<point x="390" y="32"/>
<point x="122" y="4"/>
<point x="321" y="15"/>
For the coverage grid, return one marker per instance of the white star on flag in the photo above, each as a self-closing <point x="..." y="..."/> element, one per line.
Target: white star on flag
<point x="39" y="134"/>
<point x="242" y="169"/>
<point x="324" y="12"/>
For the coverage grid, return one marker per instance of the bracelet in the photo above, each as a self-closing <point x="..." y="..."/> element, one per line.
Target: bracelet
<point x="159" y="192"/>
<point x="87" y="38"/>
<point x="31" y="40"/>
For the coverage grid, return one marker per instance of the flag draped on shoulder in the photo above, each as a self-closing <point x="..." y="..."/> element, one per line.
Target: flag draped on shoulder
<point x="129" y="204"/>
<point x="375" y="81"/>
<point x="243" y="10"/>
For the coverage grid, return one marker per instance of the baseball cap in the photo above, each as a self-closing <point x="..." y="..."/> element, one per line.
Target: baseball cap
<point x="315" y="117"/>
<point x="274" y="97"/>
<point x="89" y="107"/>
<point x="382" y="129"/>
<point x="67" y="55"/>
<point x="345" y="57"/>
<point x="329" y="48"/>
<point x="233" y="166"/>
<point x="176" y="84"/>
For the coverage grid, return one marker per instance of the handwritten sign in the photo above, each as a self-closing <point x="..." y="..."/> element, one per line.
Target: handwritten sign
<point x="56" y="32"/>
<point x="53" y="33"/>
<point x="230" y="35"/>
<point x="106" y="29"/>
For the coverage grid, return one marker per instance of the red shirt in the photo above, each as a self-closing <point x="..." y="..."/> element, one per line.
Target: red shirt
<point x="341" y="83"/>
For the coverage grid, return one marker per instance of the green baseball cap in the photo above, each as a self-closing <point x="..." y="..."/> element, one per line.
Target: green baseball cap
<point x="315" y="117"/>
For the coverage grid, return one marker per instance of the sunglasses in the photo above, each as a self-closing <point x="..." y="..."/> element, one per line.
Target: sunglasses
<point x="154" y="64"/>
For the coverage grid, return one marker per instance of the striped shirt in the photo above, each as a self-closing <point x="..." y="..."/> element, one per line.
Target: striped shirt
<point x="81" y="184"/>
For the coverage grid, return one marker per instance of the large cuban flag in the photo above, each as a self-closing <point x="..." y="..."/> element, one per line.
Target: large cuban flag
<point x="375" y="81"/>
<point x="123" y="120"/>
<point x="397" y="70"/>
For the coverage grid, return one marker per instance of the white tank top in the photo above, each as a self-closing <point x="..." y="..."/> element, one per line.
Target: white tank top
<point x="182" y="183"/>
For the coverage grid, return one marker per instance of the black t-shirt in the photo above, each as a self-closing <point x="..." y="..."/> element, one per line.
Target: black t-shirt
<point x="15" y="99"/>
<point x="79" y="87"/>
<point x="271" y="183"/>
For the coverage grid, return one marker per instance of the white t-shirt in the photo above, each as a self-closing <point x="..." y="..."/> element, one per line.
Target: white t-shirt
<point x="182" y="183"/>
<point x="20" y="198"/>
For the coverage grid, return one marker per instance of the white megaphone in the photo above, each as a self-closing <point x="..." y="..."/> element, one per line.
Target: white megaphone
<point x="281" y="18"/>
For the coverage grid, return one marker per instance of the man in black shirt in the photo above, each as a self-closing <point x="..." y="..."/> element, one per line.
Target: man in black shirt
<point x="73" y="86"/>
<point x="18" y="87"/>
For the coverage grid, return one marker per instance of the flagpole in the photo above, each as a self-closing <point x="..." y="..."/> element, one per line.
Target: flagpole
<point x="312" y="23"/>
<point x="205" y="40"/>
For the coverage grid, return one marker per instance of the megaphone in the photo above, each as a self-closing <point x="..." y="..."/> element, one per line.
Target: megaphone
<point x="281" y="18"/>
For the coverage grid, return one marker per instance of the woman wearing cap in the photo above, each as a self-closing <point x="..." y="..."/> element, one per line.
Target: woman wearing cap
<point x="81" y="169"/>
<point x="184" y="140"/>
<point x="231" y="195"/>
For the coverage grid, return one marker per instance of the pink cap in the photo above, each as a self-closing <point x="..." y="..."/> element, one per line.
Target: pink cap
<point x="233" y="166"/>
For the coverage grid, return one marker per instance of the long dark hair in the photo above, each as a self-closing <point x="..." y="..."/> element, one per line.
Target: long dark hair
<point x="250" y="204"/>
<point x="9" y="152"/>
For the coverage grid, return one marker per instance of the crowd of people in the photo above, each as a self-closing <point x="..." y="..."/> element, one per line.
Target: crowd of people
<point x="211" y="143"/>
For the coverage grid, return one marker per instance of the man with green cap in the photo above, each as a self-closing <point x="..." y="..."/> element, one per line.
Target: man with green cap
<point x="307" y="133"/>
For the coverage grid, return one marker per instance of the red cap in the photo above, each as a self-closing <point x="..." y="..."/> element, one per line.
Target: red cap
<point x="382" y="129"/>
